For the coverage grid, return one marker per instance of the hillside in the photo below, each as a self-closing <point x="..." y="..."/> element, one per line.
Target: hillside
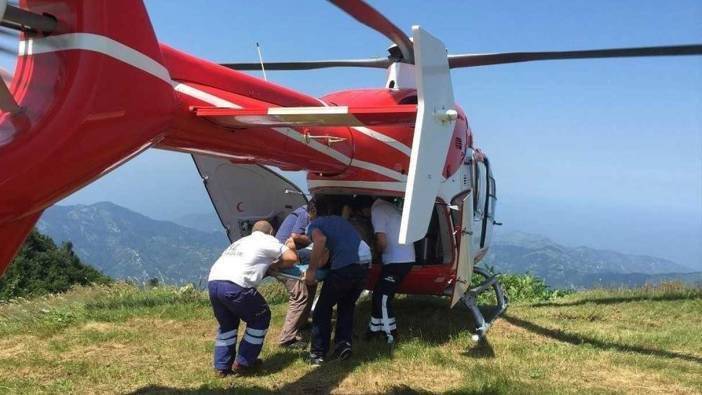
<point x="42" y="267"/>
<point x="159" y="341"/>
<point x="580" y="267"/>
<point x="124" y="244"/>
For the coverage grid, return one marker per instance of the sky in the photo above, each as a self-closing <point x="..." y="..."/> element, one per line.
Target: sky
<point x="603" y="153"/>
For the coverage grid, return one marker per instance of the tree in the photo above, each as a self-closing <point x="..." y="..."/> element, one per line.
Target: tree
<point x="41" y="267"/>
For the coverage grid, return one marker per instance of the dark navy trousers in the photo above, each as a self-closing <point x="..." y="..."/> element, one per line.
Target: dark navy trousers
<point x="382" y="315"/>
<point x="341" y="287"/>
<point x="232" y="303"/>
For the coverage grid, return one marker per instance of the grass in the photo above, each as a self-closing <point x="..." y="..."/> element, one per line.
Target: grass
<point x="120" y="339"/>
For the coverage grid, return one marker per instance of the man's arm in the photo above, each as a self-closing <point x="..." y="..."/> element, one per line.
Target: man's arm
<point x="319" y="255"/>
<point x="381" y="242"/>
<point x="288" y="258"/>
<point x="301" y="239"/>
<point x="379" y="220"/>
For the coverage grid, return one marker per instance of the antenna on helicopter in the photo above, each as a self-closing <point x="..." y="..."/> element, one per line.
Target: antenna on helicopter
<point x="260" y="59"/>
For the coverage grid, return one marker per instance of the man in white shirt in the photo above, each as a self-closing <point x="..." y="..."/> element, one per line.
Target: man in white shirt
<point x="232" y="286"/>
<point x="397" y="262"/>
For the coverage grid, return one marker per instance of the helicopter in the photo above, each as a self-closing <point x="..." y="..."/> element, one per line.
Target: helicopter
<point x="93" y="87"/>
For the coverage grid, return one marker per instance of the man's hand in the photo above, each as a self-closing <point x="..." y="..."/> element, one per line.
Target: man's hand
<point x="290" y="243"/>
<point x="308" y="277"/>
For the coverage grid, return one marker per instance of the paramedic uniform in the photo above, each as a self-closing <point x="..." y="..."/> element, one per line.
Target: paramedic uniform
<point x="232" y="287"/>
<point x="397" y="262"/>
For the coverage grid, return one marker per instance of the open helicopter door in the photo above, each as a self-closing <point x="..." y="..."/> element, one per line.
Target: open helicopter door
<point x="464" y="267"/>
<point x="244" y="193"/>
<point x="436" y="118"/>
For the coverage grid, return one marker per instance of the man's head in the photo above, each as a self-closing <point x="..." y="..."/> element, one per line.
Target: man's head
<point x="263" y="226"/>
<point x="312" y="209"/>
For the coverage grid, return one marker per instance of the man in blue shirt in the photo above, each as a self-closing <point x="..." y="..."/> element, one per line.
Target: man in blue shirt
<point x="300" y="294"/>
<point x="335" y="236"/>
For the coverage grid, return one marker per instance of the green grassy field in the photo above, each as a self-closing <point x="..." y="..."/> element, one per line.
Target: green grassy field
<point x="119" y="339"/>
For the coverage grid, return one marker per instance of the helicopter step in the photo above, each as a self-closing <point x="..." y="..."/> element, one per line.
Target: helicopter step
<point x="470" y="300"/>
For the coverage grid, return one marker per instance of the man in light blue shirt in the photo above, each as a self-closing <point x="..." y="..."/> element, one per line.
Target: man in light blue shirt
<point x="300" y="295"/>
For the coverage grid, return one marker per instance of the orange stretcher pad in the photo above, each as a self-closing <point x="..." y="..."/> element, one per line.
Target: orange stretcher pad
<point x="400" y="115"/>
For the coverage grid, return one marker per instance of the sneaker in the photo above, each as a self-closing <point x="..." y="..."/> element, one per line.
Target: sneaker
<point x="316" y="360"/>
<point x="343" y="351"/>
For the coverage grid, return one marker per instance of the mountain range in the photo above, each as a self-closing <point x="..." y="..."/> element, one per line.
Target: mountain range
<point x="127" y="245"/>
<point x="580" y="267"/>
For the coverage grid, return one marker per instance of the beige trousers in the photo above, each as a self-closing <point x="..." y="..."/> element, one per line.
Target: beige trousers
<point x="299" y="306"/>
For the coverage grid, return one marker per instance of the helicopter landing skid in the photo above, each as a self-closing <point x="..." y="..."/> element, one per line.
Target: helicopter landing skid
<point x="470" y="300"/>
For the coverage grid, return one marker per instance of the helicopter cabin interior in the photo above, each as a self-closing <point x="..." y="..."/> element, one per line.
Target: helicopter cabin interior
<point x="436" y="248"/>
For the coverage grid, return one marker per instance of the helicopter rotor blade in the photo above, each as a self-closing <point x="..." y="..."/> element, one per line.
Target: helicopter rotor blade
<point x="474" y="60"/>
<point x="372" y="18"/>
<point x="310" y="65"/>
<point x="7" y="51"/>
<point x="6" y="32"/>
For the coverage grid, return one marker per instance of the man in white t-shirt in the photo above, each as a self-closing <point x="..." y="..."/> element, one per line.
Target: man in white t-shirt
<point x="397" y="262"/>
<point x="232" y="287"/>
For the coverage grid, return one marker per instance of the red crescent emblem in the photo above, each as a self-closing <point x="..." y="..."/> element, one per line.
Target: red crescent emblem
<point x="238" y="207"/>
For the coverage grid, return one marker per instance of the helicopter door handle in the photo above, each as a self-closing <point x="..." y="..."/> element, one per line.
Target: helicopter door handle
<point x="497" y="223"/>
<point x="330" y="139"/>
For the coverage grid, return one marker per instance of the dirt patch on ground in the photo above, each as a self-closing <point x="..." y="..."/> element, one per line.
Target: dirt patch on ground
<point x="101" y="327"/>
<point x="13" y="346"/>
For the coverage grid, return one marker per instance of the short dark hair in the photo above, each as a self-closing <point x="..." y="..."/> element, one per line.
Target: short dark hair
<point x="325" y="205"/>
<point x="360" y="202"/>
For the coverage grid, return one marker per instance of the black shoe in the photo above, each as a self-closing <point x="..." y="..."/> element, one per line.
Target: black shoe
<point x="342" y="351"/>
<point x="316" y="360"/>
<point x="370" y="335"/>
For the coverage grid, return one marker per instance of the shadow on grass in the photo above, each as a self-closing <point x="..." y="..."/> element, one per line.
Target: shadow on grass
<point x="577" y="339"/>
<point x="623" y="299"/>
<point x="427" y="320"/>
<point x="481" y="350"/>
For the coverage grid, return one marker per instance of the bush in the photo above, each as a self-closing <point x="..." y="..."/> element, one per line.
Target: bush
<point x="520" y="287"/>
<point x="41" y="267"/>
<point x="527" y="287"/>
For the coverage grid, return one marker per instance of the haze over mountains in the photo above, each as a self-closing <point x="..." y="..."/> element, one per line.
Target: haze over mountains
<point x="579" y="267"/>
<point x="125" y="244"/>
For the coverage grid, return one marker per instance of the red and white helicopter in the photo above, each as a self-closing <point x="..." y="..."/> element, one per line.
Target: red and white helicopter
<point x="93" y="87"/>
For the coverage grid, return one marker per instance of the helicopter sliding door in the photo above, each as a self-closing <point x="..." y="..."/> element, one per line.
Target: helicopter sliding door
<point x="464" y="269"/>
<point x="243" y="194"/>
<point x="484" y="201"/>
